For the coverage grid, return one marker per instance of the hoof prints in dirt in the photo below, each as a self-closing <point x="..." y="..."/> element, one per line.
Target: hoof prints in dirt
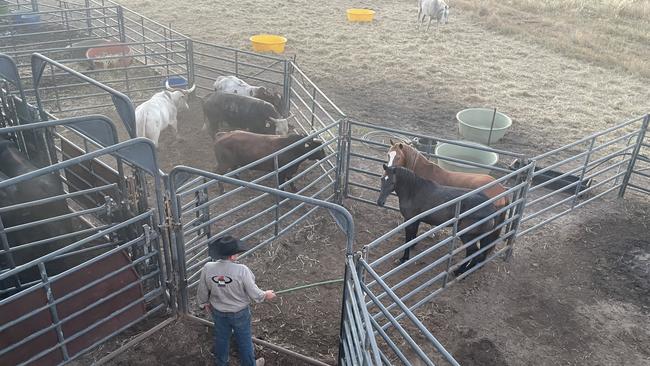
<point x="628" y="265"/>
<point x="480" y="353"/>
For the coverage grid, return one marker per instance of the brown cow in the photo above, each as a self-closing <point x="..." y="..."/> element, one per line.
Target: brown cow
<point x="238" y="148"/>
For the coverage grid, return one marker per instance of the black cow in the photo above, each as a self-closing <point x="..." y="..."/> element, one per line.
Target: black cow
<point x="242" y="112"/>
<point x="13" y="163"/>
<point x="238" y="148"/>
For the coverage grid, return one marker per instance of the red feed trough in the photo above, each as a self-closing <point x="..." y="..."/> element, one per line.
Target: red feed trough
<point x="111" y="56"/>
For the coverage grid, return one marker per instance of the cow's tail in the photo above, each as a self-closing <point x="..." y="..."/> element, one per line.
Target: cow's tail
<point x="205" y="116"/>
<point x="496" y="233"/>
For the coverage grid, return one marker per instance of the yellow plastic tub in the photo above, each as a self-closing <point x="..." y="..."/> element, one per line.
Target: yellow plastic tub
<point x="268" y="42"/>
<point x="360" y="15"/>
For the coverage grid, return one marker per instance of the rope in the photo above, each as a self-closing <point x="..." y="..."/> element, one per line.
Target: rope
<point x="308" y="286"/>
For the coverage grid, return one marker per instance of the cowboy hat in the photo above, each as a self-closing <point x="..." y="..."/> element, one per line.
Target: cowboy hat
<point x="225" y="246"/>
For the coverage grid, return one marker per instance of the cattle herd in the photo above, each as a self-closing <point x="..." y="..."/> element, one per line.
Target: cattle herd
<point x="253" y="111"/>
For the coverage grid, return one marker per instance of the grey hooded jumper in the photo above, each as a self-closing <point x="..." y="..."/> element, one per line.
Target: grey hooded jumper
<point x="229" y="287"/>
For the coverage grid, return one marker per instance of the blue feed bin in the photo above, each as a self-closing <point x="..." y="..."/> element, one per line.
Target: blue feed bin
<point x="176" y="82"/>
<point x="25" y="21"/>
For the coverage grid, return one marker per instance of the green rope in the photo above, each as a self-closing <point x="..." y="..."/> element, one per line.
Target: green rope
<point x="308" y="286"/>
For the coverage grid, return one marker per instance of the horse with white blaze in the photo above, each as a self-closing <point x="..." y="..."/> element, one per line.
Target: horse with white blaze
<point x="161" y="111"/>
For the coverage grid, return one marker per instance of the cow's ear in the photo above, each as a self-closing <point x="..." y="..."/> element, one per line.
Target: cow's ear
<point x="391" y="142"/>
<point x="401" y="145"/>
<point x="268" y="124"/>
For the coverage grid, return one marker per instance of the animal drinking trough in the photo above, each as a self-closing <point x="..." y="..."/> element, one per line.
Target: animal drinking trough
<point x="26" y="21"/>
<point x="268" y="42"/>
<point x="476" y="124"/>
<point x="110" y="56"/>
<point x="475" y="155"/>
<point x="360" y="15"/>
<point x="176" y="82"/>
<point x="556" y="184"/>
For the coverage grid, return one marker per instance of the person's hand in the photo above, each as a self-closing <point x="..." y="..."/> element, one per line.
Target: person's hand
<point x="207" y="308"/>
<point x="269" y="295"/>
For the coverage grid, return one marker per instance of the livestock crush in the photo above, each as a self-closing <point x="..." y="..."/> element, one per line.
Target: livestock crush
<point x="130" y="238"/>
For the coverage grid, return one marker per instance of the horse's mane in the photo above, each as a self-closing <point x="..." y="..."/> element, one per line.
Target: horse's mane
<point x="411" y="155"/>
<point x="407" y="176"/>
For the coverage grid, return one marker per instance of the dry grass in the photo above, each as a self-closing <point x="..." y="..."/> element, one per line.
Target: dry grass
<point x="613" y="33"/>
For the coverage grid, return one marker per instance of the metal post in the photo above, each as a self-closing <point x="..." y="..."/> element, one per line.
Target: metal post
<point x="56" y="91"/>
<point x="451" y="243"/>
<point x="288" y="70"/>
<point x="236" y="63"/>
<point x="582" y="173"/>
<point x="67" y="25"/>
<point x="348" y="151"/>
<point x="53" y="312"/>
<point x="166" y="228"/>
<point x="166" y="43"/>
<point x="339" y="162"/>
<point x="7" y="248"/>
<point x="144" y="41"/>
<point x="177" y="240"/>
<point x="104" y="20"/>
<point x="189" y="57"/>
<point x="89" y="24"/>
<point x="120" y="24"/>
<point x="346" y="274"/>
<point x="520" y="208"/>
<point x="635" y="154"/>
<point x="206" y="212"/>
<point x="313" y="106"/>
<point x="277" y="199"/>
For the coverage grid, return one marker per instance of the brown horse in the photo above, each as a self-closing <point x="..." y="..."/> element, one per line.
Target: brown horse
<point x="401" y="154"/>
<point x="404" y="155"/>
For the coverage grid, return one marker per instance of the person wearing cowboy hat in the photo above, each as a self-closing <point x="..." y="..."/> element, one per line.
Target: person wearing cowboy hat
<point x="226" y="289"/>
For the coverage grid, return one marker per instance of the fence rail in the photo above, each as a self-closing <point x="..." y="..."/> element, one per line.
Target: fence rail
<point x="96" y="175"/>
<point x="76" y="276"/>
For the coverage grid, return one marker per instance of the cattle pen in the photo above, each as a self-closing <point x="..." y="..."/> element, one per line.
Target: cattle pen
<point x="132" y="233"/>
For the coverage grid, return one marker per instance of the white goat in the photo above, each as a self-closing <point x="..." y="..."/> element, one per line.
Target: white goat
<point x="433" y="9"/>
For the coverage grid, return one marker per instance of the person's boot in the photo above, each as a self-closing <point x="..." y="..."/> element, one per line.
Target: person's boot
<point x="260" y="361"/>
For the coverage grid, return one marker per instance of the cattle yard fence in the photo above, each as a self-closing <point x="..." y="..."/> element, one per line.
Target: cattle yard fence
<point x="87" y="266"/>
<point x="151" y="228"/>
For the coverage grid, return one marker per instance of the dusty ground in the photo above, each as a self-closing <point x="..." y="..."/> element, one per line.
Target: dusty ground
<point x="574" y="293"/>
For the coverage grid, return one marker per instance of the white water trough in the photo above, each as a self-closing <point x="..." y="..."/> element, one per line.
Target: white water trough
<point x="468" y="154"/>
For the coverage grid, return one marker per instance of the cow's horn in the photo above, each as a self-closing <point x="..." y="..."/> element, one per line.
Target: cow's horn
<point x="169" y="87"/>
<point x="190" y="90"/>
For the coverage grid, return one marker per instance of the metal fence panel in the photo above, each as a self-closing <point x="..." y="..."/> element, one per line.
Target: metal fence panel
<point x="92" y="274"/>
<point x="575" y="174"/>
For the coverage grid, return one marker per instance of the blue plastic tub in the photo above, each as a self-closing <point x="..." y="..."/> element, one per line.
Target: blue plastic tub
<point x="26" y="21"/>
<point x="176" y="82"/>
<point x="26" y="18"/>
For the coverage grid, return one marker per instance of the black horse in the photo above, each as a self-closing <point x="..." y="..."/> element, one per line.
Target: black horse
<point x="417" y="195"/>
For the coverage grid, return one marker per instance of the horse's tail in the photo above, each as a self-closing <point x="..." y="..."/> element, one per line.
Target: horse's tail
<point x="496" y="233"/>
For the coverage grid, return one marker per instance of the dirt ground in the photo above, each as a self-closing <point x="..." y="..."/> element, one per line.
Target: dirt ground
<point x="575" y="292"/>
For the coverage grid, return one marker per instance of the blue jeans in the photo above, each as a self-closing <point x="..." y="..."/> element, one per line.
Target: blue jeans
<point x="224" y="325"/>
